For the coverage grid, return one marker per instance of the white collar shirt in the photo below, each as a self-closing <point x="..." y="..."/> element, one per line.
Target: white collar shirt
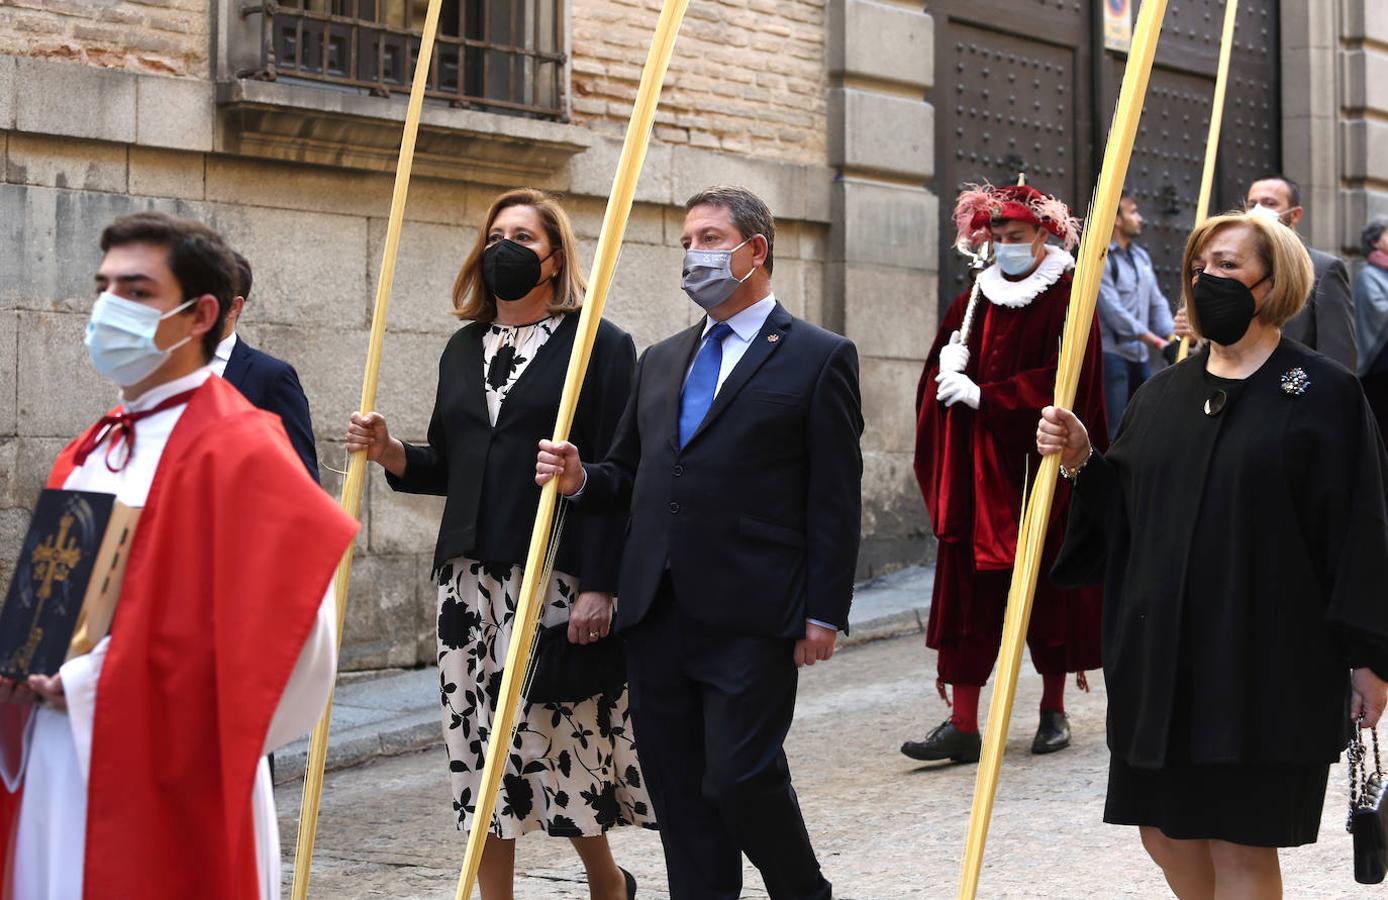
<point x="222" y="355"/>
<point x="131" y="483"/>
<point x="745" y="325"/>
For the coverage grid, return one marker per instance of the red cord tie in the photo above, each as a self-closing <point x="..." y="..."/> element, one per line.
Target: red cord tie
<point x="120" y="428"/>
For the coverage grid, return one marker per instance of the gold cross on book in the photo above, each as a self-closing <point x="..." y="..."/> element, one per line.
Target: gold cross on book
<point x="55" y="557"/>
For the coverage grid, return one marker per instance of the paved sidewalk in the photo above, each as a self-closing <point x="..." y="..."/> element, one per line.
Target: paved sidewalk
<point x="398" y="711"/>
<point x="883" y="826"/>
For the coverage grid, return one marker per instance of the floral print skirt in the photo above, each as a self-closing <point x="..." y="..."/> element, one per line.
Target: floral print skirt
<point x="572" y="770"/>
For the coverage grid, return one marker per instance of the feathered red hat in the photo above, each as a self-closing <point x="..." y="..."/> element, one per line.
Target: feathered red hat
<point x="978" y="206"/>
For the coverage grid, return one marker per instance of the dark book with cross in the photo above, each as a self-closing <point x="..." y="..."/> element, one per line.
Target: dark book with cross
<point x="66" y="581"/>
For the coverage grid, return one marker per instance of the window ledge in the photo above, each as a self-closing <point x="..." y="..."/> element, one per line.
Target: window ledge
<point x="305" y="123"/>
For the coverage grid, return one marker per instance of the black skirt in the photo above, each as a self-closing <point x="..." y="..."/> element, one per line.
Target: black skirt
<point x="1243" y="803"/>
<point x="1253" y="805"/>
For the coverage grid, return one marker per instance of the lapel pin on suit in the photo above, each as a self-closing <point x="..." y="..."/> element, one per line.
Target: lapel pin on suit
<point x="773" y="338"/>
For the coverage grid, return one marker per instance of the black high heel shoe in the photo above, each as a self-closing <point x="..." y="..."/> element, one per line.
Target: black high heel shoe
<point x="631" y="883"/>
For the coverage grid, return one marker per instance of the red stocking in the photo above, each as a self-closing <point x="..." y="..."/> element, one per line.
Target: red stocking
<point x="965" y="715"/>
<point x="1053" y="692"/>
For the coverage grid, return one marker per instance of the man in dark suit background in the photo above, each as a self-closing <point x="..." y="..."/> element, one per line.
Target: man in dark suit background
<point x="269" y="383"/>
<point x="1326" y="323"/>
<point x="738" y="457"/>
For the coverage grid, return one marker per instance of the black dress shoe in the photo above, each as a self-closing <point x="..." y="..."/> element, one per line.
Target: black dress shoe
<point x="631" y="883"/>
<point x="1053" y="733"/>
<point x="946" y="742"/>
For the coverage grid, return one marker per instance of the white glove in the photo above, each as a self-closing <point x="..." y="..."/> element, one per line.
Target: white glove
<point x="956" y="387"/>
<point x="954" y="356"/>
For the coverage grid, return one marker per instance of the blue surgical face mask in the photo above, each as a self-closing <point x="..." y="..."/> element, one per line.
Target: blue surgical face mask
<point x="1014" y="259"/>
<point x="708" y="275"/>
<point x="120" y="338"/>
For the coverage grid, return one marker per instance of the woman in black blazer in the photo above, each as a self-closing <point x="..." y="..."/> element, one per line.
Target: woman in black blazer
<point x="574" y="772"/>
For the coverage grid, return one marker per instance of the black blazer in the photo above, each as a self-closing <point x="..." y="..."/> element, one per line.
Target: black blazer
<point x="488" y="474"/>
<point x="272" y="385"/>
<point x="1326" y="322"/>
<point x="758" y="517"/>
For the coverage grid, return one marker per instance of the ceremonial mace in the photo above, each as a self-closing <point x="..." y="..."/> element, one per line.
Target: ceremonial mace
<point x="530" y="603"/>
<point x="356" y="465"/>
<point x="1084" y="292"/>
<point x="978" y="261"/>
<point x="1202" y="206"/>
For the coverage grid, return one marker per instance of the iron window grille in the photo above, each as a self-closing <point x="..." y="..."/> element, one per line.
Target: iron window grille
<point x="500" y="55"/>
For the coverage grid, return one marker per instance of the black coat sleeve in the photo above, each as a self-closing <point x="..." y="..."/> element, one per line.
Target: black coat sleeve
<point x="607" y="388"/>
<point x="610" y="482"/>
<point x="426" y="467"/>
<point x="1354" y="540"/>
<point x="1095" y="504"/>
<point x="834" y="507"/>
<point x="286" y="397"/>
<point x="1097" y="517"/>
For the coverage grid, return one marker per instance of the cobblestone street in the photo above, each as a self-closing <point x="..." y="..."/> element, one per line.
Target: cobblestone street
<point x="884" y="826"/>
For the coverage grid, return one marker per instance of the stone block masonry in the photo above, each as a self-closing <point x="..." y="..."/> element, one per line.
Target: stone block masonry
<point x="748" y="76"/>
<point x="111" y="106"/>
<point x="166" y="37"/>
<point x="314" y="235"/>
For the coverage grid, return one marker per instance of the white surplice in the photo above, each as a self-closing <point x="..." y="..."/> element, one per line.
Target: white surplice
<point x="52" y="755"/>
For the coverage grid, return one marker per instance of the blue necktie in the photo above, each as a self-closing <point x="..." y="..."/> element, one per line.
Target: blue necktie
<point x="703" y="381"/>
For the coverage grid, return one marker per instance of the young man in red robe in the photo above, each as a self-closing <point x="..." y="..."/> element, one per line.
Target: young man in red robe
<point x="141" y="771"/>
<point x="975" y="451"/>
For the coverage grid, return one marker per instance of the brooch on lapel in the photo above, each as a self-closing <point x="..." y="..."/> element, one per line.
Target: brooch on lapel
<point x="773" y="338"/>
<point x="1295" y="382"/>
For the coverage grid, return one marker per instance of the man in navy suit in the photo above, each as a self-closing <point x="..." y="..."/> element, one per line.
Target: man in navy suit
<point x="269" y="383"/>
<point x="738" y="457"/>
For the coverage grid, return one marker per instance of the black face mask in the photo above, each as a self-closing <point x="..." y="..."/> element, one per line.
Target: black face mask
<point x="1225" y="307"/>
<point x="511" y="270"/>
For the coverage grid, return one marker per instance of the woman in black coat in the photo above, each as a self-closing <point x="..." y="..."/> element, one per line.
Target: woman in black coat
<point x="573" y="771"/>
<point x="1238" y="526"/>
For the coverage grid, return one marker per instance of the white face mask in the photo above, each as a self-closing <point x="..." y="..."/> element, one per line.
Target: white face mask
<point x="1267" y="213"/>
<point x="1014" y="259"/>
<point x="120" y="338"/>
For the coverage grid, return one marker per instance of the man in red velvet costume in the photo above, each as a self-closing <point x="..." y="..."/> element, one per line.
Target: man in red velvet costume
<point x="977" y="407"/>
<point x="141" y="771"/>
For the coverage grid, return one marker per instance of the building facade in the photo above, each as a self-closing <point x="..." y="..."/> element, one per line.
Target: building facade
<point x="279" y="124"/>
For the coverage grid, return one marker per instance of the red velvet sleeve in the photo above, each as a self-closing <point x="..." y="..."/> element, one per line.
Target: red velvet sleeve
<point x="942" y="432"/>
<point x="1011" y="407"/>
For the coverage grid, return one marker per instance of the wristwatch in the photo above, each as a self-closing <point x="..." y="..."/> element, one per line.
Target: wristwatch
<point x="1071" y="474"/>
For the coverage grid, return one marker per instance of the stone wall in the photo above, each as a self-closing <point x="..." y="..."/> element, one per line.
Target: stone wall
<point x="748" y="77"/>
<point x="1363" y="127"/>
<point x="815" y="106"/>
<point x="164" y="36"/>
<point x="1335" y="115"/>
<point x="80" y="146"/>
<point x="883" y="256"/>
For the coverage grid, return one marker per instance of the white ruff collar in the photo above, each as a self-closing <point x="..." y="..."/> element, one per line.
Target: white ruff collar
<point x="1016" y="294"/>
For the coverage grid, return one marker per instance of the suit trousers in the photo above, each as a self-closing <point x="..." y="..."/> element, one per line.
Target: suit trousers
<point x="711" y="709"/>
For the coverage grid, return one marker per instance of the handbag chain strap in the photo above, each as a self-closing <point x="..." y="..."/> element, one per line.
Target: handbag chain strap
<point x="1358" y="770"/>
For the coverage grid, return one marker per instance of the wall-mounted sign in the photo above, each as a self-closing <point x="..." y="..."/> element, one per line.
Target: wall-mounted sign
<point x="1118" y="24"/>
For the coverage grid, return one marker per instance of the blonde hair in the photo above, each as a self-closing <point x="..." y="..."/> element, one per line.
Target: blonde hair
<point x="472" y="299"/>
<point x="1285" y="260"/>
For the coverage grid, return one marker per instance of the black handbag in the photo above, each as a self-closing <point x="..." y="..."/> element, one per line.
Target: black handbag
<point x="568" y="673"/>
<point x="1368" y="814"/>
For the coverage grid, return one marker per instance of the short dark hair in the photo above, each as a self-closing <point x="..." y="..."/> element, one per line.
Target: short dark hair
<point x="750" y="215"/>
<point x="1293" y="189"/>
<point x="1127" y="194"/>
<point x="1372" y="232"/>
<point x="199" y="258"/>
<point x="243" y="275"/>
